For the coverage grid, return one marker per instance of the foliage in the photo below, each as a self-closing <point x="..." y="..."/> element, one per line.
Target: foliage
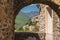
<point x="20" y="21"/>
<point x="31" y="23"/>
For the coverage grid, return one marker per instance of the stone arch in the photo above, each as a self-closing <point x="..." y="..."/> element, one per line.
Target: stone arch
<point x="8" y="11"/>
<point x="18" y="5"/>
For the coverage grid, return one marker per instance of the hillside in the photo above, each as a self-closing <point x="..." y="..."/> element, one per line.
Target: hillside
<point x="31" y="14"/>
<point x="22" y="19"/>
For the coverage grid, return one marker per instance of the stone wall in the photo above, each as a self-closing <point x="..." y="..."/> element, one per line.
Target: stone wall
<point x="6" y="20"/>
<point x="56" y="1"/>
<point x="56" y="27"/>
<point x="42" y="18"/>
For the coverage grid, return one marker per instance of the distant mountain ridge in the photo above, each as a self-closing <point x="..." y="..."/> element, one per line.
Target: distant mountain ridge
<point x="31" y="14"/>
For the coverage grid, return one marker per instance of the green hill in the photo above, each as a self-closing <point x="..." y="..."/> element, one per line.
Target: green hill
<point x="21" y="20"/>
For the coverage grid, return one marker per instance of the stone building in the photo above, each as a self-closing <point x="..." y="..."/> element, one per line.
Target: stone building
<point x="51" y="24"/>
<point x="46" y="22"/>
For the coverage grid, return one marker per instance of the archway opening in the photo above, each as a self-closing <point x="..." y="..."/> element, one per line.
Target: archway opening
<point x="43" y="25"/>
<point x="23" y="21"/>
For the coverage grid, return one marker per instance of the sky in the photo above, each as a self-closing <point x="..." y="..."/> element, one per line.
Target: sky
<point x="30" y="8"/>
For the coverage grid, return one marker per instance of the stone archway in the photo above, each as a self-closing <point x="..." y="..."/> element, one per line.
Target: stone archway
<point x="8" y="11"/>
<point x="18" y="5"/>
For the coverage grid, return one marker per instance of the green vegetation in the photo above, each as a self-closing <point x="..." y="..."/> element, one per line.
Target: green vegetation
<point x="31" y="23"/>
<point x="20" y="21"/>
